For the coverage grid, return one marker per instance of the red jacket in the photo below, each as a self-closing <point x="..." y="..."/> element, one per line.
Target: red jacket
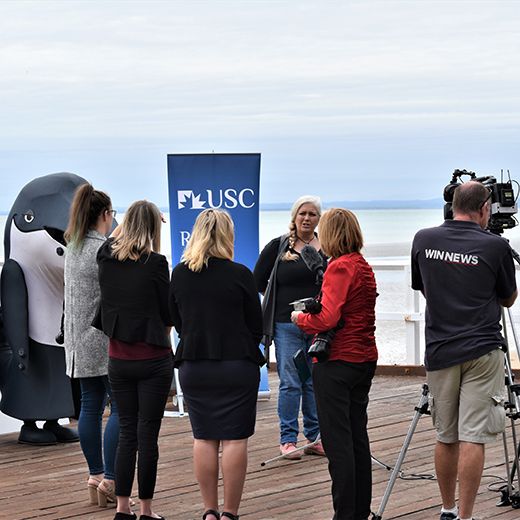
<point x="349" y="292"/>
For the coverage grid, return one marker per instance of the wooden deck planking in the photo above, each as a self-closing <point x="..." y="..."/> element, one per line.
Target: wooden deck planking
<point x="50" y="482"/>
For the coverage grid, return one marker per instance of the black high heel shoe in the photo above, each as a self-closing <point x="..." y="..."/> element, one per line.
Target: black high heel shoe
<point x="229" y="515"/>
<point x="148" y="517"/>
<point x="211" y="512"/>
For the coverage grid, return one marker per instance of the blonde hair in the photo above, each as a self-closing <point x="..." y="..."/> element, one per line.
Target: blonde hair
<point x="140" y="232"/>
<point x="340" y="233"/>
<point x="212" y="236"/>
<point x="306" y="199"/>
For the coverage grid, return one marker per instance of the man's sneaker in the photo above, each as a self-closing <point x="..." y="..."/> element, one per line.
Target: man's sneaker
<point x="317" y="449"/>
<point x="448" y="516"/>
<point x="286" y="448"/>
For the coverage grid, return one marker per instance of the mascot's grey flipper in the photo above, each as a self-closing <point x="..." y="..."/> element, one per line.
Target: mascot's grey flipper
<point x="14" y="300"/>
<point x="5" y="352"/>
<point x="35" y="386"/>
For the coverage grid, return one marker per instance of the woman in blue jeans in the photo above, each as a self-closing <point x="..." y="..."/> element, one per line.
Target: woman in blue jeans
<point x="281" y="260"/>
<point x="86" y="349"/>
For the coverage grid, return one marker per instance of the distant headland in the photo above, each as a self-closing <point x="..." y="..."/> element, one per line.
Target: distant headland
<point x="350" y="204"/>
<point x="366" y="204"/>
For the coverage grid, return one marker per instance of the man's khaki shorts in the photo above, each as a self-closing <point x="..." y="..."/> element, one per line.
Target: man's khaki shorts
<point x="467" y="400"/>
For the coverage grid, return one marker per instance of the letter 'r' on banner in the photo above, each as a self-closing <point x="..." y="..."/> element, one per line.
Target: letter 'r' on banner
<point x="230" y="182"/>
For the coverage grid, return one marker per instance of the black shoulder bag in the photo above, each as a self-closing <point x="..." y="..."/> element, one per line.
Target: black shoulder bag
<point x="269" y="301"/>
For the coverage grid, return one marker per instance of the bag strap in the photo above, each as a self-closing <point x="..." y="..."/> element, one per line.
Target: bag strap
<point x="284" y="242"/>
<point x="268" y="302"/>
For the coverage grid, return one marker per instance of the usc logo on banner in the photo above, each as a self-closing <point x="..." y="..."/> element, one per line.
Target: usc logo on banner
<point x="229" y="199"/>
<point x="227" y="182"/>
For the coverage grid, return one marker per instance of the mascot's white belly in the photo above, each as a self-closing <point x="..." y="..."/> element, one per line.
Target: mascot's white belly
<point x="43" y="268"/>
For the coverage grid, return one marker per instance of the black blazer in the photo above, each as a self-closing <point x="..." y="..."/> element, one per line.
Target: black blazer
<point x="216" y="312"/>
<point x="134" y="298"/>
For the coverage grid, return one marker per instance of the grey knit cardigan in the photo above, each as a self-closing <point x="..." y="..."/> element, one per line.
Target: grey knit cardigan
<point x="86" y="348"/>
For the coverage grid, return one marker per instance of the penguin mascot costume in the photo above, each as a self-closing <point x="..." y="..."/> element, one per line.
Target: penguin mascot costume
<point x="33" y="381"/>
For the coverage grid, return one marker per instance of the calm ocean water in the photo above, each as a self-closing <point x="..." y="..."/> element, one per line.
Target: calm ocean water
<point x="388" y="235"/>
<point x="383" y="230"/>
<point x="378" y="226"/>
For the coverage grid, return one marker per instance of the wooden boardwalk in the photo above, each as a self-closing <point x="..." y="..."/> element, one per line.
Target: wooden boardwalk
<point x="50" y="482"/>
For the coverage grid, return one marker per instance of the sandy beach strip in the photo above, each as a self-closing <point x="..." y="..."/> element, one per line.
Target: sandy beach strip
<point x="403" y="249"/>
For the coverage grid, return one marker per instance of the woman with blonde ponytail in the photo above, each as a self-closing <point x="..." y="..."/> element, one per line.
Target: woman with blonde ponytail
<point x="281" y="269"/>
<point x="86" y="349"/>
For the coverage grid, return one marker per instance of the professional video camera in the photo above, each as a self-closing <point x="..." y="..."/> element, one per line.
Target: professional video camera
<point x="503" y="200"/>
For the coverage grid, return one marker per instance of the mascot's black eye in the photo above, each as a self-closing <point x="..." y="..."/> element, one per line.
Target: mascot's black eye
<point x="29" y="216"/>
<point x="59" y="251"/>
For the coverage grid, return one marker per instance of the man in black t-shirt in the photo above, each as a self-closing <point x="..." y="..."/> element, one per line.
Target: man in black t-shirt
<point x="466" y="275"/>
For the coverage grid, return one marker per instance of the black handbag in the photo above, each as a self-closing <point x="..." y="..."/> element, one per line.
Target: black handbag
<point x="269" y="301"/>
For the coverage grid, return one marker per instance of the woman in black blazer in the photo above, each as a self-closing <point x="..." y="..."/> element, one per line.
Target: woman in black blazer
<point x="216" y="311"/>
<point x="133" y="313"/>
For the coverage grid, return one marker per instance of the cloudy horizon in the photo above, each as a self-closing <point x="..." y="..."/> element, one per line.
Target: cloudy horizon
<point x="350" y="100"/>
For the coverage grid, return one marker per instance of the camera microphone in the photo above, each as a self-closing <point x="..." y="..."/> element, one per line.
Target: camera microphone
<point x="313" y="260"/>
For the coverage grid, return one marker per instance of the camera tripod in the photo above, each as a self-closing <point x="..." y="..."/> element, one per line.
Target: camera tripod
<point x="512" y="405"/>
<point x="513" y="413"/>
<point x="420" y="410"/>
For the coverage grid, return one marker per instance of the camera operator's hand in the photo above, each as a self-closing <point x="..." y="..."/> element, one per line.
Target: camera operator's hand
<point x="294" y="317"/>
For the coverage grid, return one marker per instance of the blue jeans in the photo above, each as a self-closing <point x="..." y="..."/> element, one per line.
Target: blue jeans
<point x="288" y="339"/>
<point x="94" y="391"/>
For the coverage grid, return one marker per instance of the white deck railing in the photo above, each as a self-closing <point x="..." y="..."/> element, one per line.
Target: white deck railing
<point x="413" y="313"/>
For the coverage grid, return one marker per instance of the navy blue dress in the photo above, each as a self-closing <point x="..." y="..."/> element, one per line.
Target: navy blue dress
<point x="218" y="316"/>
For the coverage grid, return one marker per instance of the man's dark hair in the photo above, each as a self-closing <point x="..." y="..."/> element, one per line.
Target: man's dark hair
<point x="469" y="198"/>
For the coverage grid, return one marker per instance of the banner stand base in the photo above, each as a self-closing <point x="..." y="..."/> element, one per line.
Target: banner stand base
<point x="175" y="414"/>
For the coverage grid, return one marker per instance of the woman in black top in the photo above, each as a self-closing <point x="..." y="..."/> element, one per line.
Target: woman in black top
<point x="133" y="313"/>
<point x="216" y="311"/>
<point x="294" y="280"/>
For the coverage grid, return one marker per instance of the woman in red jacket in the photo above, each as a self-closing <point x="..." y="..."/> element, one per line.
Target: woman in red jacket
<point x="342" y="383"/>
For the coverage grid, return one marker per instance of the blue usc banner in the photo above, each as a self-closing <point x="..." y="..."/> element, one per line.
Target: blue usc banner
<point x="228" y="182"/>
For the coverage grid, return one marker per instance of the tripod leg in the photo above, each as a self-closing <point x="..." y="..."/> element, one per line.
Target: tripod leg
<point x="504" y="501"/>
<point x="509" y="497"/>
<point x="514" y="497"/>
<point x="420" y="410"/>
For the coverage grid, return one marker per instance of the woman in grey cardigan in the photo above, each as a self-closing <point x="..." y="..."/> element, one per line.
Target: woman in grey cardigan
<point x="86" y="348"/>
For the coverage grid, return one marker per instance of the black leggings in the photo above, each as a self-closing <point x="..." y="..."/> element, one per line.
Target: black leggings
<point x="341" y="390"/>
<point x="141" y="389"/>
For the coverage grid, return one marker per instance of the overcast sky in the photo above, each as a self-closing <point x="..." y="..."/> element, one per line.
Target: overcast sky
<point x="347" y="100"/>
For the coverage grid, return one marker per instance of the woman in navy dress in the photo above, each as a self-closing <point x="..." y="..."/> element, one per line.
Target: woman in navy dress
<point x="216" y="311"/>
